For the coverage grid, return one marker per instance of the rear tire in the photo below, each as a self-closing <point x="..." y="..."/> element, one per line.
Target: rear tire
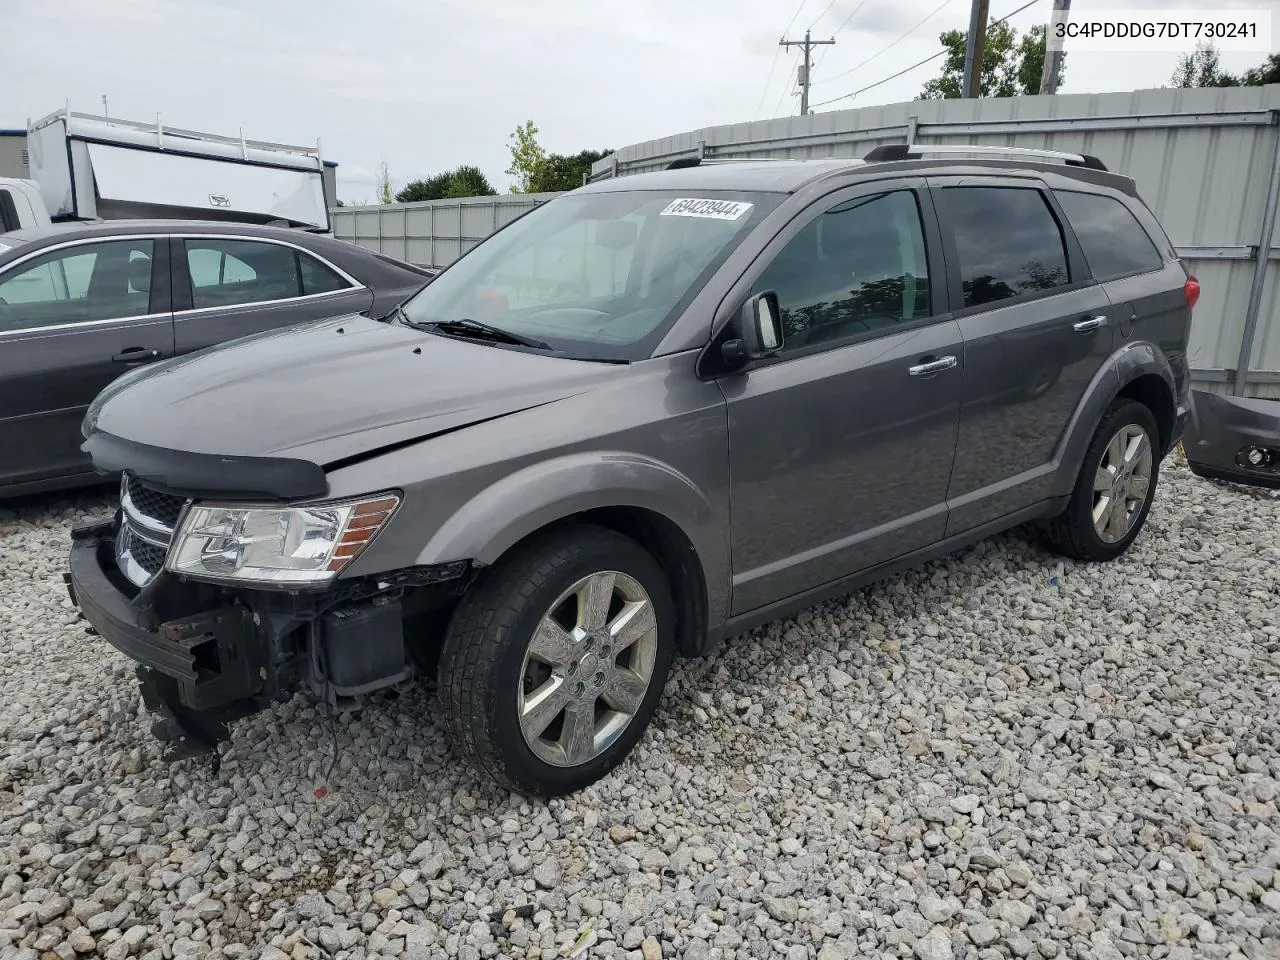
<point x="555" y="659"/>
<point x="1115" y="489"/>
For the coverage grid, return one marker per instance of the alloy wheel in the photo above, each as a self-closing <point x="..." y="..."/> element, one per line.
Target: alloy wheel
<point x="587" y="668"/>
<point x="1122" y="483"/>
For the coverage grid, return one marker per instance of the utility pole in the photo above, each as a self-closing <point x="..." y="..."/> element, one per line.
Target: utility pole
<point x="974" y="46"/>
<point x="802" y="72"/>
<point x="105" y="111"/>
<point x="1052" y="75"/>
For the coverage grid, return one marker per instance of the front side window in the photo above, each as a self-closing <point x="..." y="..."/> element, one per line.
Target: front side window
<point x="594" y="275"/>
<point x="90" y="281"/>
<point x="226" y="273"/>
<point x="1008" y="242"/>
<point x="1113" y="241"/>
<point x="857" y="268"/>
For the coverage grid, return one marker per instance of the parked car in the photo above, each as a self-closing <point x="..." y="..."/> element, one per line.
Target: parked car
<point x="82" y="303"/>
<point x="647" y="415"/>
<point x="1236" y="439"/>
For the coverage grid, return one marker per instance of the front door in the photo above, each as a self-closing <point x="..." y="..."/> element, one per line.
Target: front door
<point x="71" y="321"/>
<point x="841" y="447"/>
<point x="1037" y="328"/>
<point x="226" y="288"/>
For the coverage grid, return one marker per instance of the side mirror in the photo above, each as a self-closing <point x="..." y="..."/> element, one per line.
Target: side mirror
<point x="759" y="324"/>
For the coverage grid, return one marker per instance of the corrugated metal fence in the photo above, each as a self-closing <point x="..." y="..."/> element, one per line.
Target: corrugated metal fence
<point x="433" y="233"/>
<point x="1207" y="161"/>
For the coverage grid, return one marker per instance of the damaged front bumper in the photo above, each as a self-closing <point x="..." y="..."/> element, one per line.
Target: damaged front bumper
<point x="208" y="655"/>
<point x="1234" y="438"/>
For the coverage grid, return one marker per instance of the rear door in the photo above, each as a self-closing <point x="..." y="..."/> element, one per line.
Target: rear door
<point x="229" y="287"/>
<point x="1124" y="255"/>
<point x="1037" y="329"/>
<point x="72" y="319"/>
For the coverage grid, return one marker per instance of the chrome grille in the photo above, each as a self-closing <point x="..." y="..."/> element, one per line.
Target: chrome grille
<point x="147" y="520"/>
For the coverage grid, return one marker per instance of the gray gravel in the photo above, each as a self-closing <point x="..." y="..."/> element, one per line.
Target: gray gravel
<point x="1000" y="755"/>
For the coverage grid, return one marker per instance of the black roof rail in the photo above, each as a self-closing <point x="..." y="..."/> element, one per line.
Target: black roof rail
<point x="908" y="151"/>
<point x="694" y="161"/>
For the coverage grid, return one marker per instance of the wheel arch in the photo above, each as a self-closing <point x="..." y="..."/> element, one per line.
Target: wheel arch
<point x="1138" y="371"/>
<point x="636" y="496"/>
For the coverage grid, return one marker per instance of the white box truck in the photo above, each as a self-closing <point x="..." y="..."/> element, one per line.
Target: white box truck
<point x="87" y="167"/>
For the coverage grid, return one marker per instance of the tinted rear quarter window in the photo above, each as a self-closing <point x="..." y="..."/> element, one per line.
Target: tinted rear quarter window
<point x="1008" y="242"/>
<point x="1114" y="242"/>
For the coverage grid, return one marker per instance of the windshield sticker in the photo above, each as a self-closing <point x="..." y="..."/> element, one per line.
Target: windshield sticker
<point x="707" y="209"/>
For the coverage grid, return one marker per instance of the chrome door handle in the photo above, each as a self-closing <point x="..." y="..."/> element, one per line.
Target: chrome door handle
<point x="1089" y="325"/>
<point x="932" y="366"/>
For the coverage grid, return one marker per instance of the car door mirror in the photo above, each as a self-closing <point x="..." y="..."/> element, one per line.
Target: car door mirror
<point x="759" y="328"/>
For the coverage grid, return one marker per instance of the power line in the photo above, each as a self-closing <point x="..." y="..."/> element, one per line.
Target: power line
<point x="844" y="23"/>
<point x="943" y="51"/>
<point x="785" y="87"/>
<point x="791" y="22"/>
<point x="883" y="50"/>
<point x="772" y="66"/>
<point x="769" y="79"/>
<point x="822" y="14"/>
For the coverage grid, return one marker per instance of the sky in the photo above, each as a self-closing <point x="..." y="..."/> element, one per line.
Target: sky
<point x="426" y="85"/>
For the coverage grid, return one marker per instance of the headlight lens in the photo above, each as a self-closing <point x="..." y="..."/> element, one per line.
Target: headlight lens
<point x="285" y="545"/>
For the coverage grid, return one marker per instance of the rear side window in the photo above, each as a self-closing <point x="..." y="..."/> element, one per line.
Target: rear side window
<point x="317" y="278"/>
<point x="1008" y="242"/>
<point x="227" y="273"/>
<point x="1113" y="240"/>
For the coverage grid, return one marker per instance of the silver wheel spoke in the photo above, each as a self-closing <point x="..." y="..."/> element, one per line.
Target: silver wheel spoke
<point x="544" y="706"/>
<point x="1139" y="487"/>
<point x="578" y="738"/>
<point x="1102" y="480"/>
<point x="1136" y="448"/>
<point x="1118" y="522"/>
<point x="634" y="622"/>
<point x="626" y="692"/>
<point x="1102" y="513"/>
<point x="594" y="600"/>
<point x="551" y="644"/>
<point x="1115" y="450"/>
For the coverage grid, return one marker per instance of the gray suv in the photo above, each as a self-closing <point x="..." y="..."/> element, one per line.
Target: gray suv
<point x="650" y="414"/>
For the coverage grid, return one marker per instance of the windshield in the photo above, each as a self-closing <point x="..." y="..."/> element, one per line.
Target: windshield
<point x="594" y="275"/>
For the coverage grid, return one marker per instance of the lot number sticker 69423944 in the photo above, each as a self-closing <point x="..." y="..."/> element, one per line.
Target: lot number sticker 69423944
<point x="707" y="209"/>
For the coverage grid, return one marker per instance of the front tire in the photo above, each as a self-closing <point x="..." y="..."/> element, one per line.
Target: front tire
<point x="1115" y="489"/>
<point x="555" y="660"/>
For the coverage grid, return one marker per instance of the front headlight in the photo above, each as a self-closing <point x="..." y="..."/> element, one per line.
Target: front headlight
<point x="283" y="545"/>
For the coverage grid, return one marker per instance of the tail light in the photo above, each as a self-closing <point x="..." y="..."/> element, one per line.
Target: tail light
<point x="1192" y="290"/>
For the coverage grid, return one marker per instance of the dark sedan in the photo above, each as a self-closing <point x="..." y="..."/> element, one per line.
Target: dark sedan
<point x="82" y="303"/>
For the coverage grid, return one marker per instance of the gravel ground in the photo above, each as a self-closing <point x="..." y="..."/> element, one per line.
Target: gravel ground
<point x="998" y="755"/>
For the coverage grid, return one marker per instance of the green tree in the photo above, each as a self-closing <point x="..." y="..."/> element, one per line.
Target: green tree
<point x="1011" y="65"/>
<point x="527" y="156"/>
<point x="463" y="181"/>
<point x="386" y="193"/>
<point x="468" y="181"/>
<point x="559" y="172"/>
<point x="1201" y="68"/>
<point x="1266" y="72"/>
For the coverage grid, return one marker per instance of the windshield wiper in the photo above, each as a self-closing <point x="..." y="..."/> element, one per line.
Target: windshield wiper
<point x="475" y="330"/>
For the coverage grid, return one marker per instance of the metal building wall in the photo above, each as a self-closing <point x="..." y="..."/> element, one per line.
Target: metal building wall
<point x="1204" y="160"/>
<point x="433" y="233"/>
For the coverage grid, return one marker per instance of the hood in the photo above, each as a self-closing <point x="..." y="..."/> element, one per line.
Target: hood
<point x="329" y="391"/>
